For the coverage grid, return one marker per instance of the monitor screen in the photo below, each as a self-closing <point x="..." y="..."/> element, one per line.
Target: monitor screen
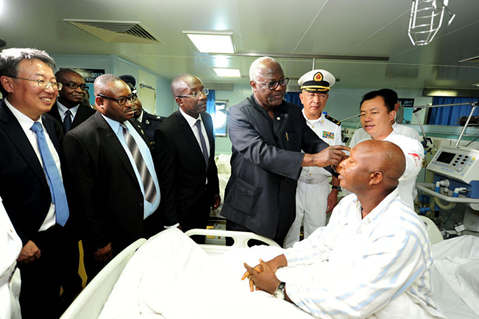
<point x="445" y="157"/>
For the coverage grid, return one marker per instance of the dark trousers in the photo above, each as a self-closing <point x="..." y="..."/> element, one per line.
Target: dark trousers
<point x="42" y="278"/>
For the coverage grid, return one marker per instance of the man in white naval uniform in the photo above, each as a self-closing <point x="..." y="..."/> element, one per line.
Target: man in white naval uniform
<point x="361" y="135"/>
<point x="10" y="247"/>
<point x="314" y="196"/>
<point x="377" y="115"/>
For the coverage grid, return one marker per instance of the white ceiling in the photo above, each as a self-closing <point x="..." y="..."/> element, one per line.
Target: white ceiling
<point x="311" y="27"/>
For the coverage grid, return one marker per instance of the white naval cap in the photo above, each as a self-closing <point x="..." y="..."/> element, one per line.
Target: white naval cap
<point x="316" y="81"/>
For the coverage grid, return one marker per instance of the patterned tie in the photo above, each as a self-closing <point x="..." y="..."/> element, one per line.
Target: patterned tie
<point x="148" y="185"/>
<point x="204" y="150"/>
<point x="54" y="179"/>
<point x="67" y="121"/>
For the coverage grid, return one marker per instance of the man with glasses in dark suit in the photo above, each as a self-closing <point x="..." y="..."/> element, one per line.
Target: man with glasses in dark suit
<point x="267" y="136"/>
<point x="33" y="179"/>
<point x="70" y="109"/>
<point x="118" y="194"/>
<point x="190" y="133"/>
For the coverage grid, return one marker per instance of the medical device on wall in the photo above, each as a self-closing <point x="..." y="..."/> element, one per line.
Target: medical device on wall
<point x="460" y="166"/>
<point x="456" y="181"/>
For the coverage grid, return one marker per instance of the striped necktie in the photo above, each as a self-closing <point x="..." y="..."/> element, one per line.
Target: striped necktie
<point x="148" y="185"/>
<point x="54" y="179"/>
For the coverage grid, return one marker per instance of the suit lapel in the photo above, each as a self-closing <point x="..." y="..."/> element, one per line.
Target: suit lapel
<point x="190" y="136"/>
<point x="18" y="138"/>
<point x="112" y="143"/>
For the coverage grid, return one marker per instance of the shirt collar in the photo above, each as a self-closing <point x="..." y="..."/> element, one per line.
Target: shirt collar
<point x="62" y="109"/>
<point x="381" y="207"/>
<point x="320" y="119"/>
<point x="140" y="117"/>
<point x="115" y="125"/>
<point x="25" y="122"/>
<point x="190" y="119"/>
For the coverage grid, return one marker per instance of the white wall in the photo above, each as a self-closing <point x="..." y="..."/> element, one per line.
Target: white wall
<point x="113" y="64"/>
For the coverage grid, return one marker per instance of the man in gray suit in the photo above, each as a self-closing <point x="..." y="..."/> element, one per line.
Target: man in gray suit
<point x="267" y="136"/>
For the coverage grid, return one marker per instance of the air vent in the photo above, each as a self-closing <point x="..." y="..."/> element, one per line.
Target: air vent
<point x="115" y="31"/>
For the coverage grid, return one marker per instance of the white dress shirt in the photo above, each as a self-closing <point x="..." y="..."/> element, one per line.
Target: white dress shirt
<point x="26" y="123"/>
<point x="191" y="121"/>
<point x="373" y="267"/>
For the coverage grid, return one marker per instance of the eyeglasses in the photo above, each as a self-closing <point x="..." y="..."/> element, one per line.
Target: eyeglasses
<point x="196" y="94"/>
<point x="273" y="85"/>
<point x="42" y="84"/>
<point x="74" y="86"/>
<point x="121" y="100"/>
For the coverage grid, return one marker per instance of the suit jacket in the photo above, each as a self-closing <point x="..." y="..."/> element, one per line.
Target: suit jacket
<point x="84" y="112"/>
<point x="265" y="166"/>
<point x="105" y="191"/>
<point x="191" y="171"/>
<point x="23" y="187"/>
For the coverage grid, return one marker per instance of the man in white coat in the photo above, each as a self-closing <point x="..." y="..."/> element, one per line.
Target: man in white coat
<point x="377" y="115"/>
<point x="361" y="135"/>
<point x="314" y="195"/>
<point x="10" y="247"/>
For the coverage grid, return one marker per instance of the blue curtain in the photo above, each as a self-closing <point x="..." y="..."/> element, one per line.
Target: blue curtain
<point x="210" y="102"/>
<point x="450" y="115"/>
<point x="293" y="97"/>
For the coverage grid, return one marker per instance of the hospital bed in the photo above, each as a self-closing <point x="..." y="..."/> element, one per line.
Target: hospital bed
<point x="446" y="285"/>
<point x="89" y="303"/>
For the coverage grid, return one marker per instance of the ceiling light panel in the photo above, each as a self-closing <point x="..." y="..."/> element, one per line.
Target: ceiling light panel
<point x="211" y="42"/>
<point x="228" y="73"/>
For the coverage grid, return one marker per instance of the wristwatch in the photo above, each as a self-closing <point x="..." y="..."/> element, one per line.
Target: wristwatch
<point x="279" y="292"/>
<point x="338" y="188"/>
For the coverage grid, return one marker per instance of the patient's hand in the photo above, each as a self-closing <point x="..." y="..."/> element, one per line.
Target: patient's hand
<point x="265" y="279"/>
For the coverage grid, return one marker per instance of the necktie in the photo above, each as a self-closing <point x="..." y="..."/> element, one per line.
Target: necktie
<point x="148" y="185"/>
<point x="204" y="150"/>
<point x="67" y="121"/>
<point x="54" y="180"/>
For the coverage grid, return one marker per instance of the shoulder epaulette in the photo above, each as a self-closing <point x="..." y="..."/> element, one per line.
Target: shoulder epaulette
<point x="332" y="119"/>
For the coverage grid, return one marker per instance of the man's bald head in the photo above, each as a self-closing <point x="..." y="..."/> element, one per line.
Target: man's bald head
<point x="264" y="67"/>
<point x="373" y="165"/>
<point x="386" y="157"/>
<point x="104" y="83"/>
<point x="182" y="83"/>
<point x="62" y="73"/>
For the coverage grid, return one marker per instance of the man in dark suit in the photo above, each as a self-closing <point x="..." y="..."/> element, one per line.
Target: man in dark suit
<point x="148" y="122"/>
<point x="190" y="132"/>
<point x="267" y="136"/>
<point x="32" y="178"/>
<point x="117" y="193"/>
<point x="69" y="109"/>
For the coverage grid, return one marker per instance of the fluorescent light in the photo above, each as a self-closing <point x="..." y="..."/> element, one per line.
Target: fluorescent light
<point x="211" y="42"/>
<point x="475" y="84"/>
<point x="228" y="73"/>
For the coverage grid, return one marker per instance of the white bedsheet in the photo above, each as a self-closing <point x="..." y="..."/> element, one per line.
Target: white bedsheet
<point x="171" y="277"/>
<point x="455" y="277"/>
